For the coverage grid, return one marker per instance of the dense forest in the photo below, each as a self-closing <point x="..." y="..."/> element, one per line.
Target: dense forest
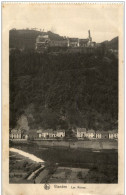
<point x="113" y="44"/>
<point x="64" y="90"/>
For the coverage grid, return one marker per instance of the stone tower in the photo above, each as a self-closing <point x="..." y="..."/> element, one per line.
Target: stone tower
<point x="89" y="36"/>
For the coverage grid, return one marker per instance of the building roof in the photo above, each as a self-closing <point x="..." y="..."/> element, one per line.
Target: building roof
<point x="54" y="132"/>
<point x="59" y="41"/>
<point x="43" y="36"/>
<point x="81" y="129"/>
<point x="39" y="131"/>
<point x="15" y="131"/>
<point x="61" y="131"/>
<point x="73" y="39"/>
<point x="91" y="131"/>
<point x="49" y="131"/>
<point x="83" y="40"/>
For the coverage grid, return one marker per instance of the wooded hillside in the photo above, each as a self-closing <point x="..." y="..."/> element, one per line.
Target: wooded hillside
<point x="64" y="90"/>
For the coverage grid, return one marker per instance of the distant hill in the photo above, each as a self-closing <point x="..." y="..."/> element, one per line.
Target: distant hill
<point x="113" y="44"/>
<point x="22" y="39"/>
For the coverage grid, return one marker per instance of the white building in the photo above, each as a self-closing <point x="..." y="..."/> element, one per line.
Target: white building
<point x="15" y="134"/>
<point x="49" y="133"/>
<point x="42" y="42"/>
<point x="98" y="134"/>
<point x="90" y="134"/>
<point x="42" y="133"/>
<point x="18" y="134"/>
<point x="113" y="134"/>
<point x="81" y="132"/>
<point x="60" y="133"/>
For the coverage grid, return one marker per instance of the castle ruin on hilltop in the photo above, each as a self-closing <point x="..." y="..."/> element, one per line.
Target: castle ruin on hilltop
<point x="43" y="42"/>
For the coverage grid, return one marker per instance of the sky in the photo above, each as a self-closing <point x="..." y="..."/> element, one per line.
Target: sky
<point x="67" y="20"/>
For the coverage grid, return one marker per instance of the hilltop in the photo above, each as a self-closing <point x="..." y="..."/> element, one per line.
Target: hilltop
<point x="113" y="44"/>
<point x="25" y="39"/>
<point x="21" y="39"/>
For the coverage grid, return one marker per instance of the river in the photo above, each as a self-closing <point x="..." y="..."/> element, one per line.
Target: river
<point x="25" y="154"/>
<point x="100" y="165"/>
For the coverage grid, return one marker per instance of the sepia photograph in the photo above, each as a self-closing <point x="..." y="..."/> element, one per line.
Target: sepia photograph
<point x="63" y="94"/>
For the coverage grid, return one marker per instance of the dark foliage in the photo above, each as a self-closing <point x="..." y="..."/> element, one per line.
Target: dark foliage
<point x="64" y="90"/>
<point x="25" y="39"/>
<point x="113" y="44"/>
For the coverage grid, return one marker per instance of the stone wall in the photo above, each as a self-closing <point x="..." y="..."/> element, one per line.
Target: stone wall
<point x="92" y="144"/>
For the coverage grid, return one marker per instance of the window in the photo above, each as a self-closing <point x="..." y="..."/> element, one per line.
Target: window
<point x="40" y="135"/>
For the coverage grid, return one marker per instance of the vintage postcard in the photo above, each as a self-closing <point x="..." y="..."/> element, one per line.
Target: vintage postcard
<point x="62" y="98"/>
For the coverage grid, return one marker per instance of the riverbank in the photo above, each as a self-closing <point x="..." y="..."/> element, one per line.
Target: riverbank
<point x="21" y="167"/>
<point x="80" y="144"/>
<point x="41" y="174"/>
<point x="90" y="144"/>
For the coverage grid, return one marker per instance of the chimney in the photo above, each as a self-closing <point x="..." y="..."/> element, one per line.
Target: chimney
<point x="89" y="35"/>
